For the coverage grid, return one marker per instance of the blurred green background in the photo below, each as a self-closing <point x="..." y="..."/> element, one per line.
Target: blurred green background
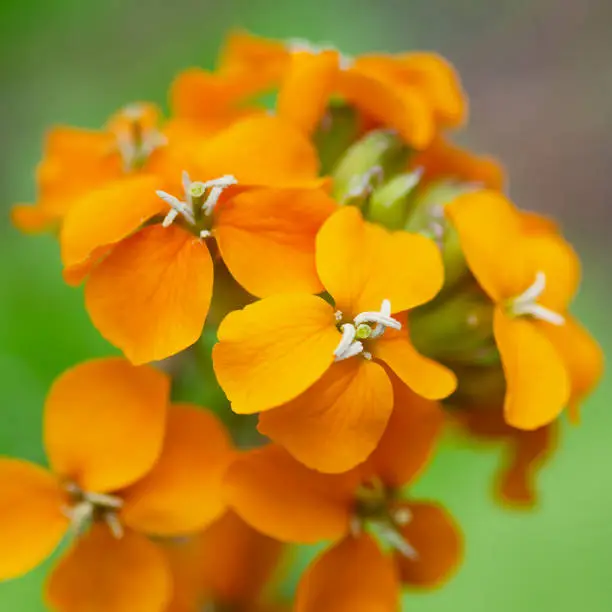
<point x="540" y="80"/>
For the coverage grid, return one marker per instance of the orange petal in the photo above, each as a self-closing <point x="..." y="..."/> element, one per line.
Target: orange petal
<point x="409" y="439"/>
<point x="582" y="355"/>
<point x="182" y="493"/>
<point x="260" y="151"/>
<point x="538" y="384"/>
<point x="31" y="218"/>
<point x="101" y="573"/>
<point x="93" y="414"/>
<point x="151" y="295"/>
<point x="107" y="215"/>
<point x="244" y="52"/>
<point x="438" y="543"/>
<point x="404" y="109"/>
<point x="31" y="519"/>
<point x="237" y="561"/>
<point x="273" y="350"/>
<point x="361" y="264"/>
<point x="526" y="454"/>
<point x="267" y="239"/>
<point x="444" y="160"/>
<point x="424" y="376"/>
<point x="307" y="87"/>
<point x="353" y="576"/>
<point x="338" y="422"/>
<point x="282" y="498"/>
<point x="489" y="230"/>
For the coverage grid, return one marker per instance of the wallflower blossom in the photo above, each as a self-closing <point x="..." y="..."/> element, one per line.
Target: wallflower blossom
<point x="124" y="466"/>
<point x="415" y="93"/>
<point x="144" y="246"/>
<point x="228" y="566"/>
<point x="284" y="499"/>
<point x="531" y="274"/>
<point x="320" y="366"/>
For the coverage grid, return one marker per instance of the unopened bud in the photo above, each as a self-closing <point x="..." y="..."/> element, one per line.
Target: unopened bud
<point x="338" y="130"/>
<point x="478" y="385"/>
<point x="378" y="156"/>
<point x="389" y="203"/>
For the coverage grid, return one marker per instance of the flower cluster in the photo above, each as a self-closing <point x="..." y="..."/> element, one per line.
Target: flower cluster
<point x="367" y="283"/>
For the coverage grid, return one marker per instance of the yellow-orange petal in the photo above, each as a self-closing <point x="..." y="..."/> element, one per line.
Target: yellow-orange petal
<point x="538" y="385"/>
<point x="182" y="492"/>
<point x="338" y="422"/>
<point x="267" y="239"/>
<point x="104" y="423"/>
<point x="31" y="218"/>
<point x="362" y="264"/>
<point x="101" y="573"/>
<point x="284" y="499"/>
<point x="31" y="519"/>
<point x="151" y="295"/>
<point x="404" y="109"/>
<point x="424" y="376"/>
<point x="260" y="151"/>
<point x="489" y="230"/>
<point x="582" y="356"/>
<point x="307" y="87"/>
<point x="273" y="350"/>
<point x="352" y="576"/>
<point x="107" y="215"/>
<point x="409" y="439"/>
<point x="436" y="539"/>
<point x="236" y="561"/>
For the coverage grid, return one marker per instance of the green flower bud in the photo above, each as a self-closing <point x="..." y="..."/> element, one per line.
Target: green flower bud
<point x="337" y="132"/>
<point x="389" y="203"/>
<point x="478" y="386"/>
<point x="456" y="328"/>
<point x="378" y="156"/>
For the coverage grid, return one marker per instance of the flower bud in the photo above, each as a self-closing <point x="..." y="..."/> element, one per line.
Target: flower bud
<point x="338" y="130"/>
<point x="390" y="202"/>
<point x="478" y="385"/>
<point x="373" y="159"/>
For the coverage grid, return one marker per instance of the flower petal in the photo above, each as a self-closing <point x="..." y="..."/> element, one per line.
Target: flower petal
<point x="489" y="230"/>
<point x="282" y="498"/>
<point x="437" y="541"/>
<point x="352" y="576"/>
<point x="31" y="519"/>
<point x="95" y="412"/>
<point x="424" y="376"/>
<point x="267" y="239"/>
<point x="362" y="264"/>
<point x="409" y="439"/>
<point x="582" y="355"/>
<point x="151" y="295"/>
<point x="307" y="87"/>
<point x="273" y="350"/>
<point x="404" y="109"/>
<point x="182" y="493"/>
<point x="338" y="422"/>
<point x="261" y="151"/>
<point x="101" y="573"/>
<point x="538" y="384"/>
<point x="107" y="215"/>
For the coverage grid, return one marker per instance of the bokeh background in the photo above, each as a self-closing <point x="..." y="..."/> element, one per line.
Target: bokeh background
<point x="540" y="80"/>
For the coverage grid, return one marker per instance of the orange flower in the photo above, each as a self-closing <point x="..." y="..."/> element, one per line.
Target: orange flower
<point x="150" y="270"/>
<point x="525" y="452"/>
<point x="229" y="565"/>
<point x="531" y="274"/>
<point x="122" y="464"/>
<point x="284" y="499"/>
<point x="320" y="366"/>
<point x="414" y="93"/>
<point x="442" y="160"/>
<point x="77" y="161"/>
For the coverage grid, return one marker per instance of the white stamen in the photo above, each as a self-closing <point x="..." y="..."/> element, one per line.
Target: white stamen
<point x="402" y="516"/>
<point x="352" y="351"/>
<point x="367" y="355"/>
<point x="348" y="336"/>
<point x="205" y="234"/>
<point x="525" y="304"/>
<point x="338" y="314"/>
<point x="114" y="524"/>
<point x="101" y="499"/>
<point x="397" y="541"/>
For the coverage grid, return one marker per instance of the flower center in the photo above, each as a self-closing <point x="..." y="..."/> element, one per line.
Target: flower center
<point x="200" y="199"/>
<point x="526" y="304"/>
<point x="135" y="141"/>
<point x="361" y="329"/>
<point x="86" y="507"/>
